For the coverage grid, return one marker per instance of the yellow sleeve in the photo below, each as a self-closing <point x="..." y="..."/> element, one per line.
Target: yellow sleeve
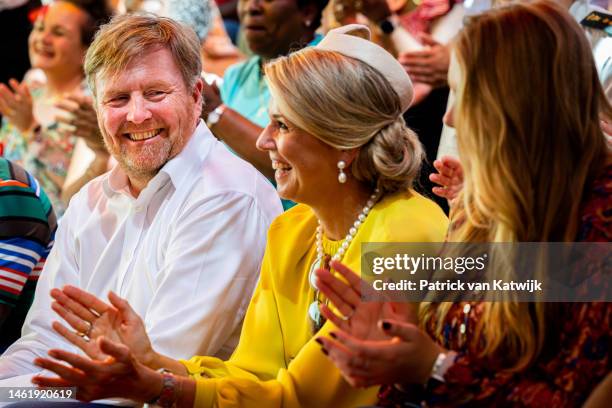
<point x="311" y="380"/>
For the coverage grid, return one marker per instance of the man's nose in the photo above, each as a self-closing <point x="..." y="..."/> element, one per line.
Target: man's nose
<point x="138" y="110"/>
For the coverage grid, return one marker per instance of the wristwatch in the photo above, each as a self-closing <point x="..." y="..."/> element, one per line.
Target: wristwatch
<point x="169" y="393"/>
<point x="215" y="116"/>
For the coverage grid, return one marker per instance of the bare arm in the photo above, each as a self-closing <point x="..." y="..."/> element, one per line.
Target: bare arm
<point x="83" y="168"/>
<point x="240" y="134"/>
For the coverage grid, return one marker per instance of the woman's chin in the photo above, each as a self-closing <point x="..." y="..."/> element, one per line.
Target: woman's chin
<point x="286" y="193"/>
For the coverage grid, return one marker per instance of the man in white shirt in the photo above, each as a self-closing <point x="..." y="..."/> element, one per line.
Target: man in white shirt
<point x="178" y="227"/>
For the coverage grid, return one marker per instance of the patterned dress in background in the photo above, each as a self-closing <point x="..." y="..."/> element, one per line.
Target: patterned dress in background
<point x="48" y="153"/>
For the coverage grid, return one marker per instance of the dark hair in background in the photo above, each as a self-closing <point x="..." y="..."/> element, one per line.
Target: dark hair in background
<point x="320" y="5"/>
<point x="99" y="12"/>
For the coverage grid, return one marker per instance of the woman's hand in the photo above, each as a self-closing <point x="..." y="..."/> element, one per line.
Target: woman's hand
<point x="449" y="177"/>
<point x="120" y="374"/>
<point x="16" y="105"/>
<point x="406" y="358"/>
<point x="358" y="318"/>
<point x="92" y="318"/>
<point x="78" y="118"/>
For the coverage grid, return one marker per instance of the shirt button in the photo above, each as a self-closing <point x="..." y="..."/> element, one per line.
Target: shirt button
<point x="138" y="208"/>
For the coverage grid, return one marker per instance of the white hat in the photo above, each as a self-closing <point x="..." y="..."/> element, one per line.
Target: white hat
<point x="353" y="41"/>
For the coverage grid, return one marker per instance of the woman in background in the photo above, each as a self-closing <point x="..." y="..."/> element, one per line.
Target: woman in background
<point x="44" y="114"/>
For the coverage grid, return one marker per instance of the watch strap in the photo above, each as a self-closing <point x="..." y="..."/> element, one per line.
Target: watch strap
<point x="169" y="393"/>
<point x="215" y="116"/>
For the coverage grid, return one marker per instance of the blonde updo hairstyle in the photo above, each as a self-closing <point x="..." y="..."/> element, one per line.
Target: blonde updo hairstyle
<point x="347" y="104"/>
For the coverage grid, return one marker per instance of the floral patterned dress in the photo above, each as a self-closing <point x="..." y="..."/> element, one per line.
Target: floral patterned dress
<point x="564" y="379"/>
<point x="46" y="154"/>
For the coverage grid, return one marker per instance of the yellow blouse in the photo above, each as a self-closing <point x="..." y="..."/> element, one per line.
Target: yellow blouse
<point x="277" y="363"/>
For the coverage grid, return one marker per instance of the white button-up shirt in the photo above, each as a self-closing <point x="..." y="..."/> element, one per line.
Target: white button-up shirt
<point x="186" y="253"/>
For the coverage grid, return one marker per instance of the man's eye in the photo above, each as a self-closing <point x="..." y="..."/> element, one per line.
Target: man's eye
<point x="155" y="94"/>
<point x="116" y="100"/>
<point x="281" y="125"/>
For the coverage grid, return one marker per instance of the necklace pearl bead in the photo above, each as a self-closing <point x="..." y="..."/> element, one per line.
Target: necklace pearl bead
<point x="351" y="234"/>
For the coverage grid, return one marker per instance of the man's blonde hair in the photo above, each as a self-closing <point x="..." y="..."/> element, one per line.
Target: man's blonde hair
<point x="128" y="36"/>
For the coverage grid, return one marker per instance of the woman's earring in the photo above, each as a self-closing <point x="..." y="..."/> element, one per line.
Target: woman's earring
<point x="341" y="174"/>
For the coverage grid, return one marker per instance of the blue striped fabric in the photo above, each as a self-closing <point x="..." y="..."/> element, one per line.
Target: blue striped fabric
<point x="27" y="228"/>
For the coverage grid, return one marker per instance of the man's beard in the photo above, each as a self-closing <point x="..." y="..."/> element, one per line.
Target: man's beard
<point x="143" y="167"/>
<point x="132" y="166"/>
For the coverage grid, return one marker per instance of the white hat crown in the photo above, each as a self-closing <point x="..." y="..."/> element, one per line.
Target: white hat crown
<point x="353" y="40"/>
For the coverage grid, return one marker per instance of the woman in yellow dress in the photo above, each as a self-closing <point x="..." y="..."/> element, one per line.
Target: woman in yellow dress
<point x="340" y="147"/>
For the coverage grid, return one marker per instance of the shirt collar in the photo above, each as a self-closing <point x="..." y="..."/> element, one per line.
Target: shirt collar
<point x="180" y="168"/>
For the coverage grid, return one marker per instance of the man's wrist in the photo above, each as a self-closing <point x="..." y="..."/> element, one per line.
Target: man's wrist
<point x="152" y="386"/>
<point x="152" y="360"/>
<point x="169" y="393"/>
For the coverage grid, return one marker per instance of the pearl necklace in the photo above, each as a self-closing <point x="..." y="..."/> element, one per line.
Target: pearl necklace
<point x="313" y="309"/>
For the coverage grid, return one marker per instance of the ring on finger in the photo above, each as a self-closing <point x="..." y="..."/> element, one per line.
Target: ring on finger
<point x="84" y="336"/>
<point x="87" y="333"/>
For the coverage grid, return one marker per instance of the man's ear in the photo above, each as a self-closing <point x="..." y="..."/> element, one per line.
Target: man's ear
<point x="197" y="90"/>
<point x="197" y="95"/>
